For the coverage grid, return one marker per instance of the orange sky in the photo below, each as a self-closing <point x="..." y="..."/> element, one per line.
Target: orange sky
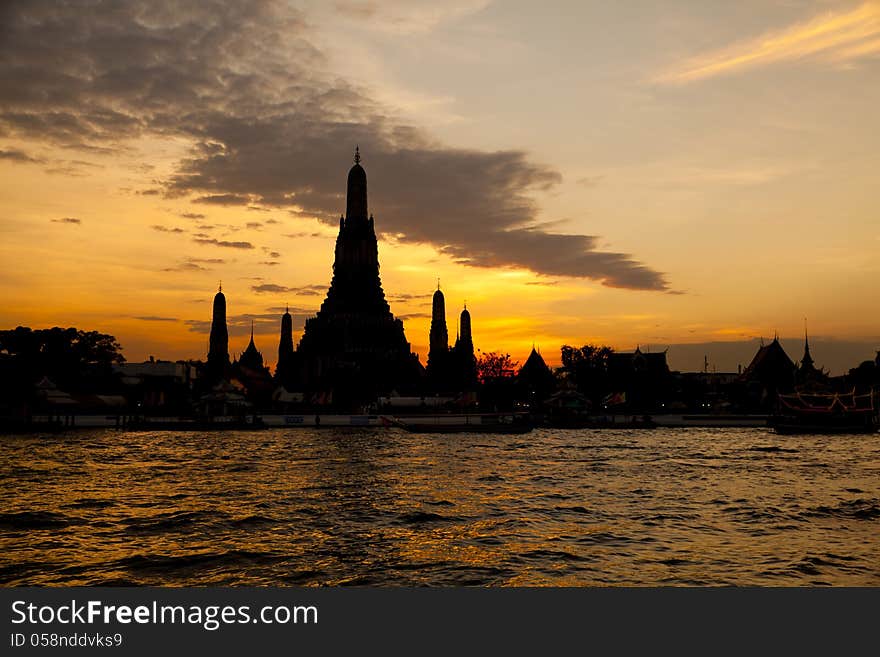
<point x="723" y="165"/>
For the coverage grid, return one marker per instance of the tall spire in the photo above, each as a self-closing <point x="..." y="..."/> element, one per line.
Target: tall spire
<point x="807" y="360"/>
<point x="285" y="367"/>
<point x="465" y="321"/>
<point x="464" y="352"/>
<point x="218" y="342"/>
<point x="356" y="201"/>
<point x="354" y="330"/>
<point x="439" y="337"/>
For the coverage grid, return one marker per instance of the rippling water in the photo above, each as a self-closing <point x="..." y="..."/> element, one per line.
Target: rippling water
<point x="303" y="507"/>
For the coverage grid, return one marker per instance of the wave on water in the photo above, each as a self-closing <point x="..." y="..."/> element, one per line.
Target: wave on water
<point x="35" y="520"/>
<point x="313" y="508"/>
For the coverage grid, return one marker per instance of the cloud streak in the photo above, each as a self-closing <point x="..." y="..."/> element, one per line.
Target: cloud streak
<point x="20" y="157"/>
<point x="836" y="37"/>
<point x="223" y="243"/>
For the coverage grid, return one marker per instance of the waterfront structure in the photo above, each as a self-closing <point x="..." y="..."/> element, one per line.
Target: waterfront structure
<point x="641" y="378"/>
<point x="770" y="372"/>
<point x="354" y="346"/>
<point x="218" y="344"/>
<point x="536" y="379"/>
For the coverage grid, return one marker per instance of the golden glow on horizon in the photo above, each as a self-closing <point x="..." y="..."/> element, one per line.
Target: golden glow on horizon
<point x="757" y="197"/>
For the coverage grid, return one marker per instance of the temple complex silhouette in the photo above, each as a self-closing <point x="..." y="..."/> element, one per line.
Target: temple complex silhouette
<point x="354" y="349"/>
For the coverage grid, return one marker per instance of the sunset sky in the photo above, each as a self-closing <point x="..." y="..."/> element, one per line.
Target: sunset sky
<point x="651" y="173"/>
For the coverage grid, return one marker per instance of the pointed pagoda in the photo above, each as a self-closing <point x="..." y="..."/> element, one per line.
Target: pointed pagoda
<point x="218" y="342"/>
<point x="770" y="372"/>
<point x="438" y="351"/>
<point x="809" y="377"/>
<point x="284" y="370"/>
<point x="354" y="345"/>
<point x="536" y="378"/>
<point x="463" y="360"/>
<point x="251" y="358"/>
<point x="807" y="365"/>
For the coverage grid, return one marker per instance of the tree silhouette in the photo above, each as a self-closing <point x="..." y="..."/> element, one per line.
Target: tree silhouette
<point x="68" y="356"/>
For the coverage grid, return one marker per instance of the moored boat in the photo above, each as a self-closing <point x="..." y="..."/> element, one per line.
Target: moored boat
<point x="825" y="413"/>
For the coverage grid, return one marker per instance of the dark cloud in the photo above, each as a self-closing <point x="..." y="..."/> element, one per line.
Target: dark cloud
<point x="166" y="229"/>
<point x="274" y="254"/>
<point x="269" y="288"/>
<point x="67" y="220"/>
<point x="270" y="262"/>
<point x="192" y="215"/>
<point x="149" y="192"/>
<point x="222" y="199"/>
<point x="409" y="297"/>
<point x="20" y="157"/>
<point x="264" y="323"/>
<point x="543" y="283"/>
<point x="186" y="266"/>
<point x="254" y="225"/>
<point x="291" y="309"/>
<point x="408" y="316"/>
<point x="231" y="245"/>
<point x="154" y="318"/>
<point x="196" y="264"/>
<point x="303" y="290"/>
<point x="302" y="235"/>
<point x="271" y="221"/>
<point x="314" y="290"/>
<point x="272" y="128"/>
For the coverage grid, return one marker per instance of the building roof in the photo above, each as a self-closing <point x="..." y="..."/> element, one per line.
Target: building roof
<point x="771" y="361"/>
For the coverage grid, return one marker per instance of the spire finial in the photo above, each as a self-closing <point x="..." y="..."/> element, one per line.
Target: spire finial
<point x="252" y="330"/>
<point x="287" y="308"/>
<point x="438" y="282"/>
<point x="220" y="287"/>
<point x="357" y="154"/>
<point x="465" y="304"/>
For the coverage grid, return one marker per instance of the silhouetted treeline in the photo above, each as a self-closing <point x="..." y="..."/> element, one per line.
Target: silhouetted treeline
<point x="71" y="358"/>
<point x="587" y="369"/>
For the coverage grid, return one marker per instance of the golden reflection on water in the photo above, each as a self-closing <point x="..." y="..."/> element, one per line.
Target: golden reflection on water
<point x="570" y="508"/>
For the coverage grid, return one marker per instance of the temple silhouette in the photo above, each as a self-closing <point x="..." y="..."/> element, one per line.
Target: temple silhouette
<point x="353" y="354"/>
<point x="450" y="369"/>
<point x="354" y="346"/>
<point x="354" y="349"/>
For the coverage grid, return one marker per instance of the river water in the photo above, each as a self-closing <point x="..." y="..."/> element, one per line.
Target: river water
<point x="385" y="507"/>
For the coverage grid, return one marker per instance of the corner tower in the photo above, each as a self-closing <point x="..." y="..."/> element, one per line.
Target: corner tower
<point x="218" y="343"/>
<point x="439" y="336"/>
